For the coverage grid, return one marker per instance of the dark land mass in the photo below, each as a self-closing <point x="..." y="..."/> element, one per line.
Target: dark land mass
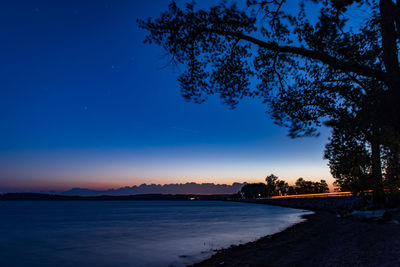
<point x="38" y="196"/>
<point x="324" y="239"/>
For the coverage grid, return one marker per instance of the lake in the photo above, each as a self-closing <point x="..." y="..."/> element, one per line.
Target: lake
<point x="130" y="233"/>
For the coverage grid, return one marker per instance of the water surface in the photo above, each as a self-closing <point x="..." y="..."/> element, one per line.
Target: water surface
<point x="130" y="233"/>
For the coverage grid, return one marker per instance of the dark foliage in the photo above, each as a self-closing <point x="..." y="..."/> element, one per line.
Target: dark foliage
<point x="275" y="186"/>
<point x="309" y="187"/>
<point x="256" y="190"/>
<point x="341" y="68"/>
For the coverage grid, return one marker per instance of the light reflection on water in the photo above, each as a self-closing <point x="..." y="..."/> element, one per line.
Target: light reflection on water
<point x="130" y="233"/>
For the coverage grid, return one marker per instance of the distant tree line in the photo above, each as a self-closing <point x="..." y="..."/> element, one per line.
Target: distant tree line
<point x="276" y="187"/>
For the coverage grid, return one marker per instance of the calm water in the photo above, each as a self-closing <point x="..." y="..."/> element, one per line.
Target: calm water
<point x="130" y="233"/>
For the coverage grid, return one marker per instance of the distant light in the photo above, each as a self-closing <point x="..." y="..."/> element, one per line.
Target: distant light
<point x="334" y="194"/>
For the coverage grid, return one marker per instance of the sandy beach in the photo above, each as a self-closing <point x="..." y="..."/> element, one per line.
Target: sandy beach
<point x="322" y="240"/>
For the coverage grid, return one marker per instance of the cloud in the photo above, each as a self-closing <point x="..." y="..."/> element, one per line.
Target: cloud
<point x="187" y="188"/>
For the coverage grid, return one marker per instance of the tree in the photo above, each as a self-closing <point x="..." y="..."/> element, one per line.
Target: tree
<point x="309" y="187"/>
<point x="255" y="190"/>
<point x="282" y="187"/>
<point x="307" y="69"/>
<point x="275" y="186"/>
<point x="303" y="186"/>
<point x="322" y="186"/>
<point x="271" y="184"/>
<point x="349" y="159"/>
<point x="291" y="190"/>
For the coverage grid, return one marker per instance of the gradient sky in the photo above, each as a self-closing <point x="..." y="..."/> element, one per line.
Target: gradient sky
<point x="84" y="103"/>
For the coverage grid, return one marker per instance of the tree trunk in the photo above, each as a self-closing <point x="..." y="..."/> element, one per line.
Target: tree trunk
<point x="378" y="193"/>
<point x="389" y="16"/>
<point x="389" y="40"/>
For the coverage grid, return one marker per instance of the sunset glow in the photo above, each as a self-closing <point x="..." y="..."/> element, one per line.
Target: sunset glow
<point x="110" y="119"/>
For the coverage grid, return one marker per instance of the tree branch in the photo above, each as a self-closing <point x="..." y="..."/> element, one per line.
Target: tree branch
<point x="324" y="58"/>
<point x="354" y="79"/>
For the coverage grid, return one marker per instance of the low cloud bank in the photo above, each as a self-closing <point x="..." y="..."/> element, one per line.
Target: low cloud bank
<point x="187" y="188"/>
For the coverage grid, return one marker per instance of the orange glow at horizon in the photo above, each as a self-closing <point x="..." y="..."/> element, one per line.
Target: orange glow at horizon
<point x="100" y="171"/>
<point x="102" y="183"/>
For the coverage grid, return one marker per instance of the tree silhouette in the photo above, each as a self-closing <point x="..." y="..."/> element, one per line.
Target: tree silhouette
<point x="349" y="157"/>
<point x="307" y="70"/>
<point x="272" y="181"/>
<point x="309" y="187"/>
<point x="255" y="190"/>
<point x="275" y="186"/>
<point x="364" y="154"/>
<point x="282" y="186"/>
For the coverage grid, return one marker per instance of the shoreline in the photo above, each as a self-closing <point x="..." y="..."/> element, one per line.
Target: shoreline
<point x="215" y="259"/>
<point x="322" y="239"/>
<point x="329" y="204"/>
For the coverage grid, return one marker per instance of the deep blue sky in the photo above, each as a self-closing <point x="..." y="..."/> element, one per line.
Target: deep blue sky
<point x="84" y="103"/>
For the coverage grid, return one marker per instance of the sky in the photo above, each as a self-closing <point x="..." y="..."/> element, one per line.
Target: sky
<point x="84" y="103"/>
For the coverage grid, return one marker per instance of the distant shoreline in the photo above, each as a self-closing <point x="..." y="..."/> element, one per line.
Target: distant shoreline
<point x="51" y="197"/>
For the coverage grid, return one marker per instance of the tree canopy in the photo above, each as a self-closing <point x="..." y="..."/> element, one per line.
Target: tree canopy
<point x="309" y="187"/>
<point x="340" y="67"/>
<point x="276" y="187"/>
<point x="255" y="190"/>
